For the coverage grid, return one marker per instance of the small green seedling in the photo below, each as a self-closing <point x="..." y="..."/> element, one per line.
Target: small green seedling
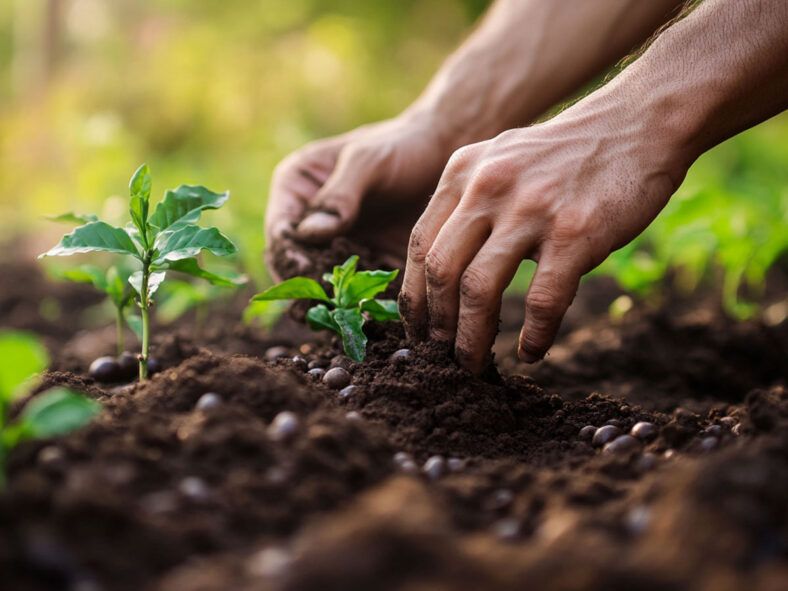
<point x="55" y="412"/>
<point x="354" y="293"/>
<point x="169" y="239"/>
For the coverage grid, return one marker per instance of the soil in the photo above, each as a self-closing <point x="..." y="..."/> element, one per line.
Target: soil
<point x="156" y="495"/>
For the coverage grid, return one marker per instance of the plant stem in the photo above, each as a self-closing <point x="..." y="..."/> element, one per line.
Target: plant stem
<point x="144" y="307"/>
<point x="119" y="327"/>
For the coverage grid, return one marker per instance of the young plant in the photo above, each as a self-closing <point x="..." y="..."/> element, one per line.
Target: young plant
<point x="168" y="239"/>
<point x="55" y="412"/>
<point x="354" y="293"/>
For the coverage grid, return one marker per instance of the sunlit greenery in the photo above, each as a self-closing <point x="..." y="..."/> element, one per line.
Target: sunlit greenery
<point x="217" y="92"/>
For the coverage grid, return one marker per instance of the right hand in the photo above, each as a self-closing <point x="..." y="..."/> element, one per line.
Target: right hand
<point x="392" y="166"/>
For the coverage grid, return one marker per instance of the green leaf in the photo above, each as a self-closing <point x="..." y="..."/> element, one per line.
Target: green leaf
<point x="134" y="322"/>
<point x="179" y="297"/>
<point x="117" y="287"/>
<point x="187" y="242"/>
<point x="364" y="285"/>
<point x="350" y="322"/>
<point x="23" y="356"/>
<point x="72" y="218"/>
<point x="319" y="318"/>
<point x="341" y="273"/>
<point x="381" y="310"/>
<point x="94" y="236"/>
<point x="139" y="189"/>
<point x="56" y="412"/>
<point x="154" y="281"/>
<point x="87" y="274"/>
<point x="192" y="267"/>
<point x="296" y="288"/>
<point x="185" y="205"/>
<point x="266" y="313"/>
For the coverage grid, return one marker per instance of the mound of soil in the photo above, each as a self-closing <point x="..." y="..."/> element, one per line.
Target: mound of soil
<point x="421" y="476"/>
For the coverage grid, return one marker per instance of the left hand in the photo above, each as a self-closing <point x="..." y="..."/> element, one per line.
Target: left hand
<point x="564" y="193"/>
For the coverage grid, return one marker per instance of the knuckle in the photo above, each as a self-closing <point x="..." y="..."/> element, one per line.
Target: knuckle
<point x="437" y="270"/>
<point x="459" y="159"/>
<point x="417" y="245"/>
<point x="475" y="288"/>
<point x="541" y="303"/>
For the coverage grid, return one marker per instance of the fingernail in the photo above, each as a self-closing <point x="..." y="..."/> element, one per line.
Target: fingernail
<point x="527" y="357"/>
<point x="319" y="225"/>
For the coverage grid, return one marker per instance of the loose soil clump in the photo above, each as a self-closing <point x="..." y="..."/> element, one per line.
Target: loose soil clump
<point x="235" y="468"/>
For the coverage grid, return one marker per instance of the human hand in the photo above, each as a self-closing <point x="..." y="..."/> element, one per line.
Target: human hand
<point x="564" y="193"/>
<point x="389" y="167"/>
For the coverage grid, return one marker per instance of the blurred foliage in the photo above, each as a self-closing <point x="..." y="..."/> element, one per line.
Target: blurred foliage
<point x="219" y="92"/>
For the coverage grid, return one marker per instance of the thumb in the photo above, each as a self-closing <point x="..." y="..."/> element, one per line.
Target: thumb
<point x="337" y="203"/>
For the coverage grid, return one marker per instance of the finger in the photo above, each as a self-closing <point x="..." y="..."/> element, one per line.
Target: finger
<point x="481" y="287"/>
<point x="552" y="290"/>
<point x="455" y="246"/>
<point x="413" y="295"/>
<point x="338" y="201"/>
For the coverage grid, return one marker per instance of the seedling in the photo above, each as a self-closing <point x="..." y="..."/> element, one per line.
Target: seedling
<point x="354" y="293"/>
<point x="55" y="412"/>
<point x="167" y="240"/>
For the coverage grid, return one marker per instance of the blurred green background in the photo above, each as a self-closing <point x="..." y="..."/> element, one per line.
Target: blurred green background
<point x="215" y="93"/>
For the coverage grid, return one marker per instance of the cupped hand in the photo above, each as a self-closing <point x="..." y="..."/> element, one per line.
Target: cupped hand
<point x="371" y="183"/>
<point x="564" y="193"/>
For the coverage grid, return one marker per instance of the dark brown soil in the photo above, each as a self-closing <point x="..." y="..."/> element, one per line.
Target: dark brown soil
<point x="157" y="495"/>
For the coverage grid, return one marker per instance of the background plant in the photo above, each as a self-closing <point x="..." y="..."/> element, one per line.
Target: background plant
<point x="354" y="296"/>
<point x="54" y="412"/>
<point x="283" y="72"/>
<point x="168" y="239"/>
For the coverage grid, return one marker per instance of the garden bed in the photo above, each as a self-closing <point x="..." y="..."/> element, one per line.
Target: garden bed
<point x="156" y="494"/>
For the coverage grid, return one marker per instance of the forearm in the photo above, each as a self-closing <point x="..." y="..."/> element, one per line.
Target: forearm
<point x="720" y="70"/>
<point x="526" y="55"/>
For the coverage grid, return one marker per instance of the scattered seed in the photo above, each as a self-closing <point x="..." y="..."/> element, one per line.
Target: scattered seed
<point x="409" y="467"/>
<point x="501" y="499"/>
<point x="317" y="372"/>
<point x="194" y="488"/>
<point x="624" y="409"/>
<point x="50" y="455"/>
<point x="342" y="361"/>
<point x="586" y="433"/>
<point x="728" y="422"/>
<point x="105" y="369"/>
<point x="456" y="464"/>
<point x="269" y="563"/>
<point x="644" y="430"/>
<point x="434" y="467"/>
<point x="284" y="426"/>
<point x="638" y="519"/>
<point x="400" y="355"/>
<point x="353" y="416"/>
<point x="708" y="443"/>
<point x="646" y="462"/>
<point x="316" y="364"/>
<point x="336" y="378"/>
<point x="622" y="445"/>
<point x="154" y="366"/>
<point x="669" y="453"/>
<point x="276" y="353"/>
<point x="713" y="431"/>
<point x="604" y="435"/>
<point x="736" y="429"/>
<point x="614" y="422"/>
<point x="129" y="365"/>
<point x="402" y="456"/>
<point x="300" y="363"/>
<point x="347" y="392"/>
<point x="507" y="528"/>
<point x="208" y="401"/>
